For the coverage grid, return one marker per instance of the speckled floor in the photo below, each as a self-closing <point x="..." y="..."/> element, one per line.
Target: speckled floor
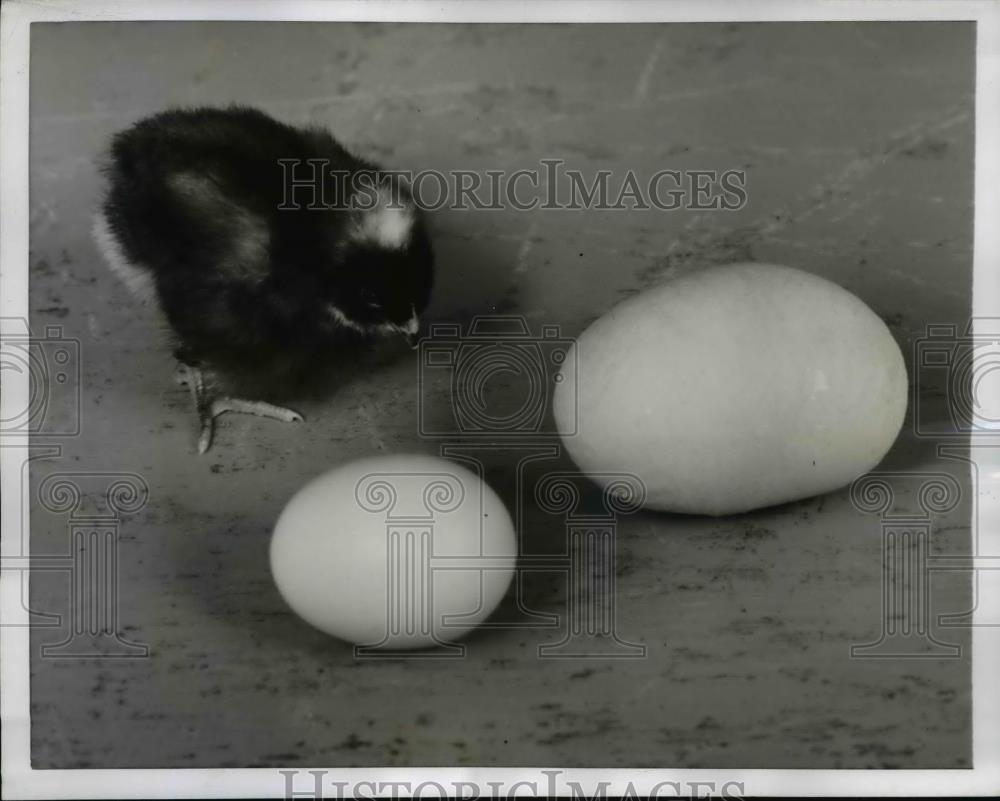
<point x="857" y="142"/>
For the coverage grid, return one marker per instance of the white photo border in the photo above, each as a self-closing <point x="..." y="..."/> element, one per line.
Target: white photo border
<point x="20" y="781"/>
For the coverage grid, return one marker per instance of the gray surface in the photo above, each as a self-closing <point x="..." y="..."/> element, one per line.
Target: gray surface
<point x="858" y="144"/>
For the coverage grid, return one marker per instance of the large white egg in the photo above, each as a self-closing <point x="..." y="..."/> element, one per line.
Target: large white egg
<point x="734" y="388"/>
<point x="394" y="552"/>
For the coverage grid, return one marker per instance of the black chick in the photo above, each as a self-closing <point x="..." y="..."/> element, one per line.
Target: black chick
<point x="252" y="271"/>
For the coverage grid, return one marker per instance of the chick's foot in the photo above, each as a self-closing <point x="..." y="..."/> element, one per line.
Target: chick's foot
<point x="209" y="405"/>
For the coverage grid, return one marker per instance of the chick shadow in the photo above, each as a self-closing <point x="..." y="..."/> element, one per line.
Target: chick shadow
<point x="320" y="376"/>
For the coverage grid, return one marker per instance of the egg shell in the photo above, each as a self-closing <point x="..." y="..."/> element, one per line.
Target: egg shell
<point x="733" y="388"/>
<point x="380" y="551"/>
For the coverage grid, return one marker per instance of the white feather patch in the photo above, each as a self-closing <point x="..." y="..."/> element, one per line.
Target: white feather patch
<point x="138" y="279"/>
<point x="388" y="223"/>
<point x="411" y="326"/>
<point x="346" y="321"/>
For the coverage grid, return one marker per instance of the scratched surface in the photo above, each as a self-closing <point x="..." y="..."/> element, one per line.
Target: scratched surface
<point x="857" y="145"/>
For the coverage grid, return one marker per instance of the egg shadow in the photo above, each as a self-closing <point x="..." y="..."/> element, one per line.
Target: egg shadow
<point x="543" y="592"/>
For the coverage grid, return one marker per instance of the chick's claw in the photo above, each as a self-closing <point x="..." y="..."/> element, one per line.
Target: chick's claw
<point x="260" y="408"/>
<point x="209" y="406"/>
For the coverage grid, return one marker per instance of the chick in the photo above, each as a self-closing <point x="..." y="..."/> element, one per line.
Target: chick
<point x="268" y="248"/>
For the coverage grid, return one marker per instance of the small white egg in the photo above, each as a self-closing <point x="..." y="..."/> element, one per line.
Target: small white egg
<point x="394" y="552"/>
